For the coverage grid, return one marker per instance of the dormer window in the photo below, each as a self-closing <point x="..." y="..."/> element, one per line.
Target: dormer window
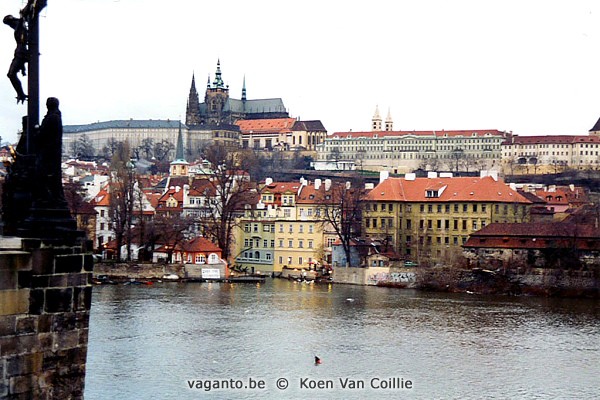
<point x="431" y="193"/>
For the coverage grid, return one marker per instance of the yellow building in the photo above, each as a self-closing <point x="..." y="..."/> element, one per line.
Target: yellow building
<point x="429" y="219"/>
<point x="284" y="229"/>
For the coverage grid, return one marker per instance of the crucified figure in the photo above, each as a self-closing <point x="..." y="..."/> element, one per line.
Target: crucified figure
<point x="21" y="55"/>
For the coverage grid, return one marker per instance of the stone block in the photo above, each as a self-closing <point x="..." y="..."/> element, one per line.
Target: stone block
<point x="69" y="263"/>
<point x="83" y="338"/>
<point x="25" y="278"/>
<point x="14" y="301"/>
<point x="58" y="280"/>
<point x="15" y="260"/>
<point x="66" y="340"/>
<point x="8" y="279"/>
<point x="42" y="262"/>
<point x="36" y="301"/>
<point x="88" y="262"/>
<point x="82" y="279"/>
<point x="24" y="364"/>
<point x="39" y="281"/>
<point x="58" y="300"/>
<point x="82" y="298"/>
<point x="9" y="346"/>
<point x="22" y="384"/>
<point x="8" y="325"/>
<point x="45" y="322"/>
<point x="46" y="340"/>
<point x="27" y="324"/>
<point x="64" y="322"/>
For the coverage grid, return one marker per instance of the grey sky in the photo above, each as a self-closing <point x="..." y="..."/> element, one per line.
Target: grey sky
<point x="526" y="66"/>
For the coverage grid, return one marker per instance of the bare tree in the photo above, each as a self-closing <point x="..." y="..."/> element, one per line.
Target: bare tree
<point x="122" y="197"/>
<point x="341" y="209"/>
<point x="110" y="147"/>
<point x="162" y="149"/>
<point x="170" y="230"/>
<point x="230" y="191"/>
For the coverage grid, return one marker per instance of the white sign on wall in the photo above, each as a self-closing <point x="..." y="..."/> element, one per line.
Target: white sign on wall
<point x="211" y="273"/>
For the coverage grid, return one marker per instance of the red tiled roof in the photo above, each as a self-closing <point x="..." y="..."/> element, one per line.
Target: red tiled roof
<point x="439" y="134"/>
<point x="266" y="125"/>
<point x="281" y="187"/>
<point x="201" y="245"/>
<point x="553" y="139"/>
<point x="454" y="189"/>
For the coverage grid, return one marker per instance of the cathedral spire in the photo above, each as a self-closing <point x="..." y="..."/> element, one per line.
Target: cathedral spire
<point x="193" y="105"/>
<point x="244" y="89"/>
<point x="218" y="82"/>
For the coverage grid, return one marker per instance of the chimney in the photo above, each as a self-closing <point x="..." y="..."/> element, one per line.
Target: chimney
<point x="348" y="184"/>
<point x="431" y="175"/>
<point x="410" y="177"/>
<point x="268" y="181"/>
<point x="383" y="175"/>
<point x="317" y="183"/>
<point x="327" y="184"/>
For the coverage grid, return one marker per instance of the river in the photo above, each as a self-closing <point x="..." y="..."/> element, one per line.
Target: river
<point x="230" y="341"/>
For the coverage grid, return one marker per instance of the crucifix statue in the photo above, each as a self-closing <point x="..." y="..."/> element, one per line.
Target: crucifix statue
<point x="33" y="203"/>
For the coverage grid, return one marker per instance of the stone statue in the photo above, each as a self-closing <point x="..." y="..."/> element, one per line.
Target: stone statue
<point x="47" y="145"/>
<point x="21" y="55"/>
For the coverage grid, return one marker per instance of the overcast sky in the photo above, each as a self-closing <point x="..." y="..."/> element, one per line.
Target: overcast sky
<point x="531" y="67"/>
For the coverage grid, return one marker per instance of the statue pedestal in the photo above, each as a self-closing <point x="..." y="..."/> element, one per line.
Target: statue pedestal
<point x="53" y="225"/>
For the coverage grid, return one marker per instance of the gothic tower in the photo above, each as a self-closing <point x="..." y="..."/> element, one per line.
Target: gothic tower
<point x="192" y="113"/>
<point x="216" y="96"/>
<point x="376" y="120"/>
<point x="389" y="124"/>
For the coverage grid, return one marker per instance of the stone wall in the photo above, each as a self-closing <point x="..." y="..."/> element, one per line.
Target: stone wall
<point x="45" y="299"/>
<point x="385" y="276"/>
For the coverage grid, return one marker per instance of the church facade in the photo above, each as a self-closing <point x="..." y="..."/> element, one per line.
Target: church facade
<point x="218" y="108"/>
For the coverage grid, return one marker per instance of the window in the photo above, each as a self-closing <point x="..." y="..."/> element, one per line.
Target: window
<point x="330" y="242"/>
<point x="464" y="224"/>
<point x="439" y="208"/>
<point x="255" y="228"/>
<point x="268" y="256"/>
<point x="408" y="224"/>
<point x="287" y="213"/>
<point x="265" y="243"/>
<point x="456" y="208"/>
<point x="247" y="243"/>
<point x="301" y="243"/>
<point x="267" y="228"/>
<point x="447" y="208"/>
<point x="429" y="208"/>
<point x="368" y="222"/>
<point x="280" y="260"/>
<point x="310" y="229"/>
<point x="439" y="224"/>
<point x="464" y="208"/>
<point x="483" y="208"/>
<point x="300" y="260"/>
<point x="102" y="226"/>
<point x="200" y="259"/>
<point x="474" y="225"/>
<point x="310" y="244"/>
<point x="422" y="208"/>
<point x="280" y="242"/>
<point x="102" y="213"/>
<point x="429" y="224"/>
<point x="301" y="229"/>
<point x="291" y="230"/>
<point x="280" y="228"/>
<point x="246" y="227"/>
<point x="374" y="222"/>
<point x="290" y="243"/>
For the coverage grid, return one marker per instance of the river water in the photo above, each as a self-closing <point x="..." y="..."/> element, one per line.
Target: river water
<point x="238" y="341"/>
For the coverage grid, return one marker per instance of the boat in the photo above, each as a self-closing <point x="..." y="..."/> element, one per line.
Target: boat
<point x="170" y="277"/>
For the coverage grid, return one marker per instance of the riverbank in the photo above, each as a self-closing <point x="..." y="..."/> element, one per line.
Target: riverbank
<point x="533" y="282"/>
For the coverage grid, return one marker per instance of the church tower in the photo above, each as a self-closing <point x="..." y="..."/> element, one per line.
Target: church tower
<point x="216" y="97"/>
<point x="179" y="166"/>
<point x="376" y="121"/>
<point x="389" y="124"/>
<point x="192" y="113"/>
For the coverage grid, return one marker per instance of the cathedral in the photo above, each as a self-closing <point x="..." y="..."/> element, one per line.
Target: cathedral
<point x="220" y="109"/>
